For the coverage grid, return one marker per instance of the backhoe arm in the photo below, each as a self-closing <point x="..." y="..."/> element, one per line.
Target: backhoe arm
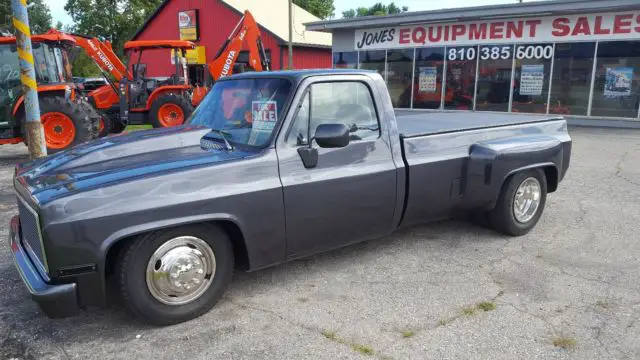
<point x="248" y="29"/>
<point x="103" y="55"/>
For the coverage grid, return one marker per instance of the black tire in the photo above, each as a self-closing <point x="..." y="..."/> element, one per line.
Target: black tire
<point x="106" y="125"/>
<point x="179" y="100"/>
<point x="81" y="114"/>
<point x="502" y="217"/>
<point x="131" y="275"/>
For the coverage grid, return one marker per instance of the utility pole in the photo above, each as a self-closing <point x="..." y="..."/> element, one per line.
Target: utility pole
<point x="33" y="126"/>
<point x="290" y="35"/>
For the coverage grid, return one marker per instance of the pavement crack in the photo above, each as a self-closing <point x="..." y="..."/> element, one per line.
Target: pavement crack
<point x="274" y="314"/>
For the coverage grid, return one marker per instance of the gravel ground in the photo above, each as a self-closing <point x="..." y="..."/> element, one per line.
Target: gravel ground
<point x="567" y="290"/>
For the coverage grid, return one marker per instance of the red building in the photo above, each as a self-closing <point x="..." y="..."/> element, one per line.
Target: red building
<point x="215" y="20"/>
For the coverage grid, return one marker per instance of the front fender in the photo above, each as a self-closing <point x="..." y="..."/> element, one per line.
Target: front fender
<point x="130" y="231"/>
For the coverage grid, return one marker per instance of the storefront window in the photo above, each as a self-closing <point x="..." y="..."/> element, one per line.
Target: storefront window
<point x="345" y="60"/>
<point x="399" y="72"/>
<point x="494" y="77"/>
<point x="461" y="77"/>
<point x="531" y="79"/>
<point x="572" y="67"/>
<point x="373" y="60"/>
<point x="615" y="91"/>
<point x="427" y="86"/>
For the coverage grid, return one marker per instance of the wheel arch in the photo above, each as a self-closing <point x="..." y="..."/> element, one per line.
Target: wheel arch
<point x="112" y="246"/>
<point x="550" y="170"/>
<point x="19" y="105"/>
<point x="166" y="90"/>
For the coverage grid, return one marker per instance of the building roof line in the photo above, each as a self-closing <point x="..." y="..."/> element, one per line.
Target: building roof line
<point x="229" y="6"/>
<point x="546" y="7"/>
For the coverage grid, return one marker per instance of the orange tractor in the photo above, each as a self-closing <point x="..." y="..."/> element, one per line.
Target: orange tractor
<point x="67" y="119"/>
<point x="132" y="98"/>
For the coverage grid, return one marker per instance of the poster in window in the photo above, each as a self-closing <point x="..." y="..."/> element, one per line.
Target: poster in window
<point x="427" y="79"/>
<point x="264" y="115"/>
<point x="531" y="79"/>
<point x="618" y="81"/>
<point x="188" y="25"/>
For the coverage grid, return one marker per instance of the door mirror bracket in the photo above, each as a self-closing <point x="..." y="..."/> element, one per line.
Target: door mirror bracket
<point x="309" y="156"/>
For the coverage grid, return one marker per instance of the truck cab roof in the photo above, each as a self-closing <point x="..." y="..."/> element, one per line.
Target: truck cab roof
<point x="299" y="75"/>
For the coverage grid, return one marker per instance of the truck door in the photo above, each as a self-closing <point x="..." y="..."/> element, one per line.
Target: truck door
<point x="350" y="194"/>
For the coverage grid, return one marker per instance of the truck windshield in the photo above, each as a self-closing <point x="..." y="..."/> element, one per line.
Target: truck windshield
<point x="247" y="110"/>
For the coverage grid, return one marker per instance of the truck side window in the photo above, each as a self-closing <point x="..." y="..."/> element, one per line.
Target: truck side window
<point x="347" y="102"/>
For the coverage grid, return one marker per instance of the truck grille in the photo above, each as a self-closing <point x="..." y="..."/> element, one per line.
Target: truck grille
<point x="31" y="235"/>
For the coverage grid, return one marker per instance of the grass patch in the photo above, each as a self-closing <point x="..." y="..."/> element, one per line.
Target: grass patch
<point x="603" y="304"/>
<point x="331" y="335"/>
<point x="407" y="333"/>
<point x="443" y="322"/>
<point x="303" y="299"/>
<point x="137" y="127"/>
<point x="486" y="306"/>
<point x="564" y="342"/>
<point x="468" y="310"/>
<point x="363" y="349"/>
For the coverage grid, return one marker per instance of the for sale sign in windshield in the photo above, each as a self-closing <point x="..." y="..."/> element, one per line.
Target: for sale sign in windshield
<point x="264" y="115"/>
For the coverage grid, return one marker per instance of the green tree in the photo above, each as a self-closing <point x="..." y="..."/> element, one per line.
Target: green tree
<point x="39" y="16"/>
<point x="113" y="20"/>
<point x="323" y="9"/>
<point x="376" y="9"/>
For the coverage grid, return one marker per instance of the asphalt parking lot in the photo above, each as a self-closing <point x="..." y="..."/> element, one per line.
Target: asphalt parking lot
<point x="568" y="290"/>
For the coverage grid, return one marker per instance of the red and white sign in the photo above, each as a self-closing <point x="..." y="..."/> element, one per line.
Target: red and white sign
<point x="602" y="26"/>
<point x="264" y="115"/>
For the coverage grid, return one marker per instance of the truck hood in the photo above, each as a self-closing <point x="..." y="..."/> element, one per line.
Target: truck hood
<point x="116" y="159"/>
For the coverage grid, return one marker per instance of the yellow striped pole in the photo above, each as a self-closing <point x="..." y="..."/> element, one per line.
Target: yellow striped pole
<point x="33" y="126"/>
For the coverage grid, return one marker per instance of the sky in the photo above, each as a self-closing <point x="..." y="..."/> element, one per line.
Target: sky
<point x="58" y="13"/>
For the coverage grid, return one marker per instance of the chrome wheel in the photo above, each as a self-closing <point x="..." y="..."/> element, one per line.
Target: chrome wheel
<point x="526" y="200"/>
<point x="181" y="270"/>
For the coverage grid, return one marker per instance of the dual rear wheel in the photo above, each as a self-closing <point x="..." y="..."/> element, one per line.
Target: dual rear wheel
<point x="520" y="204"/>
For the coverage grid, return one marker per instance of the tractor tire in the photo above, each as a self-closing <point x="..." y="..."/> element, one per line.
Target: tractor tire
<point x="170" y="110"/>
<point x="66" y="123"/>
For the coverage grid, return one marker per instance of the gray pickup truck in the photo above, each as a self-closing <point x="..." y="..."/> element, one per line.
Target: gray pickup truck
<point x="270" y="167"/>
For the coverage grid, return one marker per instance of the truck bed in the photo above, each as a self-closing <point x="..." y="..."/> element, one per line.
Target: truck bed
<point x="412" y="123"/>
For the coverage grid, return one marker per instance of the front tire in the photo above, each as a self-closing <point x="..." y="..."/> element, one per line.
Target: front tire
<point x="520" y="203"/>
<point x="175" y="275"/>
<point x="170" y="110"/>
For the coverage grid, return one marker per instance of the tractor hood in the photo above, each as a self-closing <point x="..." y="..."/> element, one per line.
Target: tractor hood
<point x="116" y="159"/>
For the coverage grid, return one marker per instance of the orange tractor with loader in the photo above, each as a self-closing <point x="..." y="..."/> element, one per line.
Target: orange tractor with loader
<point x="66" y="118"/>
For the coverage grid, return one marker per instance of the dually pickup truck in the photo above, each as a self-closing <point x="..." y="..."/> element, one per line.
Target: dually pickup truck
<point x="271" y="166"/>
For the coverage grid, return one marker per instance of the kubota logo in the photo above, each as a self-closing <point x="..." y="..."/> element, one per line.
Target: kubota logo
<point x="102" y="56"/>
<point x="227" y="63"/>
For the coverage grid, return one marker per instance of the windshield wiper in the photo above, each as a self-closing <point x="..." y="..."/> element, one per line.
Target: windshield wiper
<point x="224" y="135"/>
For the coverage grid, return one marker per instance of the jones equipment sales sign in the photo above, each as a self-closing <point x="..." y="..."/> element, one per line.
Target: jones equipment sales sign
<point x="560" y="28"/>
